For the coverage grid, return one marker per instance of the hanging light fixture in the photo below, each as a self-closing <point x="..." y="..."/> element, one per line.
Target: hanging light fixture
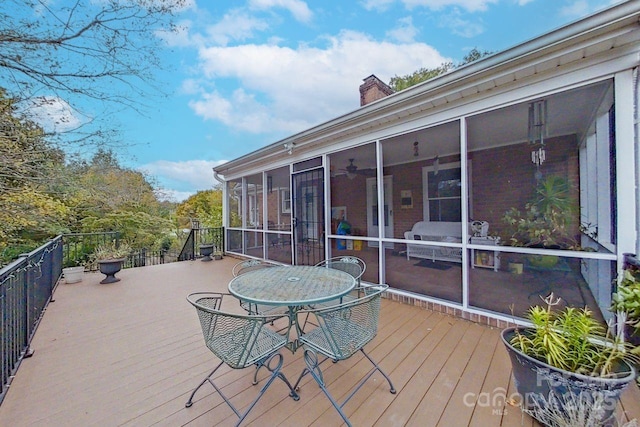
<point x="538" y="121"/>
<point x="415" y="149"/>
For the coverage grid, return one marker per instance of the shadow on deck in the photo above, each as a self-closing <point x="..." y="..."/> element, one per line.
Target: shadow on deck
<point x="130" y="353"/>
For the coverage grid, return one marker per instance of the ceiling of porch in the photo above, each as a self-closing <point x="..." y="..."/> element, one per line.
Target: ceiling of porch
<point x="569" y="112"/>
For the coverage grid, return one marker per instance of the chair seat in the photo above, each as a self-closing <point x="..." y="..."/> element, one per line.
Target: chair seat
<point x="229" y="347"/>
<point x="348" y="341"/>
<point x="264" y="309"/>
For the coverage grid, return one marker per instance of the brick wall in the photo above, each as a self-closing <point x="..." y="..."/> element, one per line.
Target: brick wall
<point x="502" y="178"/>
<point x="373" y="89"/>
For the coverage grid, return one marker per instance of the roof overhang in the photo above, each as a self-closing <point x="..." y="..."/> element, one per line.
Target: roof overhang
<point x="615" y="28"/>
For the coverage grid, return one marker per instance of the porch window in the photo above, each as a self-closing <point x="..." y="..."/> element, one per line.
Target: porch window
<point x="442" y="188"/>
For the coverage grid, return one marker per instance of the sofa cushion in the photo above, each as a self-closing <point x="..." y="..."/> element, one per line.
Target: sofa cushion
<point x="435" y="230"/>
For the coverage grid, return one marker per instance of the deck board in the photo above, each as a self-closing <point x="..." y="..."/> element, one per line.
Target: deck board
<point x="130" y="353"/>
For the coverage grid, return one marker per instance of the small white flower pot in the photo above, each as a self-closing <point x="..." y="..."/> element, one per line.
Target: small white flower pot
<point x="73" y="274"/>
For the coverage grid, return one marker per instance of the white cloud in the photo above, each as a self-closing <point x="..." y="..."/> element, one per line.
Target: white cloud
<point x="197" y="174"/>
<point x="174" y="195"/>
<point x="297" y="8"/>
<point x="460" y="26"/>
<point x="288" y="90"/>
<point x="379" y="5"/>
<point x="405" y="31"/>
<point x="469" y="5"/>
<point x="54" y="114"/>
<point x="179" y="36"/>
<point x="235" y="26"/>
<point x="576" y="9"/>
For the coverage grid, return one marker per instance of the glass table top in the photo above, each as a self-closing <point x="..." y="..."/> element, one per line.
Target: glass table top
<point x="295" y="285"/>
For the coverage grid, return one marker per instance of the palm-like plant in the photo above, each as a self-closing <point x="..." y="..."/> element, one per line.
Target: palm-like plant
<point x="570" y="339"/>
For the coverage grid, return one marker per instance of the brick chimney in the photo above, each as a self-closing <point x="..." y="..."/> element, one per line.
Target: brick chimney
<point x="373" y="89"/>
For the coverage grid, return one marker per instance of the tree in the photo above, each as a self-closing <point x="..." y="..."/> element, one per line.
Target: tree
<point x="28" y="168"/>
<point x="26" y="157"/>
<point x="70" y="51"/>
<point x="398" y="83"/>
<point x="205" y="206"/>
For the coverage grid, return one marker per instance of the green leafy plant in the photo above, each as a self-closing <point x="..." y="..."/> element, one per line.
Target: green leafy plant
<point x="111" y="251"/>
<point x="627" y="299"/>
<point x="547" y="218"/>
<point x="571" y="339"/>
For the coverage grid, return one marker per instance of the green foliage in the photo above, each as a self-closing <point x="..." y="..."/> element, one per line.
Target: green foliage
<point x="398" y="83"/>
<point x="627" y="299"/>
<point x="111" y="250"/>
<point x="139" y="229"/>
<point x="205" y="206"/>
<point x="570" y="339"/>
<point x="42" y="196"/>
<point x="547" y="218"/>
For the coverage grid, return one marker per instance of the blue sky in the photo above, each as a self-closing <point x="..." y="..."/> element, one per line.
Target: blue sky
<point x="243" y="74"/>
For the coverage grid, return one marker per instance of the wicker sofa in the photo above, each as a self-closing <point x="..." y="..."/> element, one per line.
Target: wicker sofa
<point x="434" y="231"/>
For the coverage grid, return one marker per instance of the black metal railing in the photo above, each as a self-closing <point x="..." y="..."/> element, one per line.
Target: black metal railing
<point x="28" y="283"/>
<point x="202" y="236"/>
<point x="78" y="247"/>
<point x="145" y="257"/>
<point x="26" y="287"/>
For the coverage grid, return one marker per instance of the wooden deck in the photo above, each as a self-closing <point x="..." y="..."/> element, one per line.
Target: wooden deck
<point x="129" y="354"/>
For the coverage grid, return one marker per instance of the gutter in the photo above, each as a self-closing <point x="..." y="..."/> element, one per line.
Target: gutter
<point x="217" y="177"/>
<point x="619" y="16"/>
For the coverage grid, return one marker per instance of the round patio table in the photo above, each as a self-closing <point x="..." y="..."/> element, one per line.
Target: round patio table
<point x="294" y="287"/>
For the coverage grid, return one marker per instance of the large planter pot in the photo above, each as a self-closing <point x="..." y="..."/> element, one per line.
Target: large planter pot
<point x="73" y="274"/>
<point x="109" y="268"/>
<point x="536" y="380"/>
<point x="206" y="251"/>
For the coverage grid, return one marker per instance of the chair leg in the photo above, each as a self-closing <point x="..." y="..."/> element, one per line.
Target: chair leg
<point x="392" y="389"/>
<point x="207" y="379"/>
<point x="313" y="368"/>
<point x="275" y="373"/>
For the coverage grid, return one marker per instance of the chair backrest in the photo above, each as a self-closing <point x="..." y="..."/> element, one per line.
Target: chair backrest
<point x="237" y="340"/>
<point x="349" y="264"/>
<point x="345" y="328"/>
<point x="250" y="265"/>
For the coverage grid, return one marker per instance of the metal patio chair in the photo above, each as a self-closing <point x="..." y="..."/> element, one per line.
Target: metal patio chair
<point x="251" y="308"/>
<point x="342" y="331"/>
<point x="349" y="264"/>
<point x="239" y="341"/>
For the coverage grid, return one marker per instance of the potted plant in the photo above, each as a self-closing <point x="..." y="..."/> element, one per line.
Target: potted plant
<point x="546" y="220"/>
<point x="110" y="258"/>
<point x="73" y="274"/>
<point x="206" y="250"/>
<point x="567" y="352"/>
<point x="626" y="301"/>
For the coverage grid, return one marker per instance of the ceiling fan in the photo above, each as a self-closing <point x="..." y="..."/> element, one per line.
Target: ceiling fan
<point x="352" y="170"/>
